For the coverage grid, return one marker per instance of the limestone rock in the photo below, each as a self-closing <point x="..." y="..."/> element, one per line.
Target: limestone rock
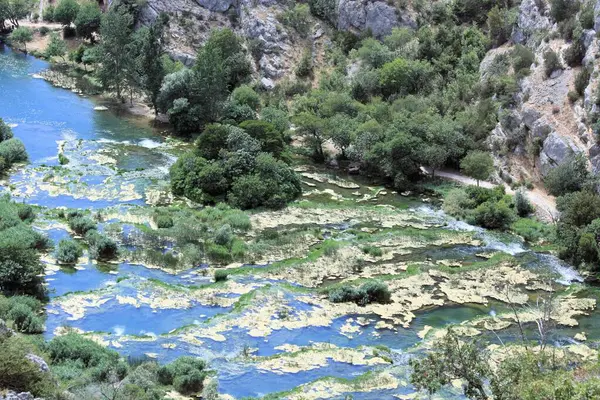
<point x="530" y="116"/>
<point x="10" y="395"/>
<point x="39" y="361"/>
<point x="555" y="151"/>
<point x="216" y="5"/>
<point x="531" y="20"/>
<point x="378" y="16"/>
<point x="597" y="16"/>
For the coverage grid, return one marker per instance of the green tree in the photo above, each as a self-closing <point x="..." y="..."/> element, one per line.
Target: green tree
<point x="435" y="156"/>
<point x="13" y="11"/>
<point x="452" y="358"/>
<point x="150" y="61"/>
<point x="114" y="51"/>
<point x="56" y="47"/>
<point x="551" y="62"/>
<point x="88" y="20"/>
<point x="570" y="176"/>
<point x="5" y="131"/>
<point x="22" y="36"/>
<point x="66" y="11"/>
<point x="477" y="164"/>
<point x="404" y="77"/>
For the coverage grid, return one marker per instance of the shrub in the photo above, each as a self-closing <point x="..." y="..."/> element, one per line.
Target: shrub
<point x="586" y="16"/>
<point x="163" y="221"/>
<point x="221" y="275"/>
<point x="373" y="251"/>
<point x="82" y="225"/>
<point x="68" y="251"/>
<point x="551" y="62"/>
<point x="522" y="58"/>
<point x="563" y="9"/>
<point x="13" y="151"/>
<point x="532" y="230"/>
<point x="218" y="253"/>
<point x="493" y="215"/>
<point x="298" y="18"/>
<point x="25" y="212"/>
<point x="571" y="176"/>
<point x="101" y="246"/>
<point x="66" y="12"/>
<point x="402" y="77"/>
<point x="73" y="347"/>
<point x="48" y="14"/>
<point x="369" y="292"/>
<point x="19" y="374"/>
<point x="305" y="65"/>
<point x="25" y="319"/>
<point x="574" y="54"/>
<point x="245" y="95"/>
<point x="186" y="374"/>
<point x="581" y="81"/>
<point x="44" y="30"/>
<point x="224" y="235"/>
<point x="62" y="159"/>
<point x="522" y="204"/>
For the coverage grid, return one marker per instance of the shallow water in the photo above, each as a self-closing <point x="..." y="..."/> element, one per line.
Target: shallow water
<point x="134" y="158"/>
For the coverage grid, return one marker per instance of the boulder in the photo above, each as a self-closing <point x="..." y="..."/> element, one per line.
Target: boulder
<point x="216" y="5"/>
<point x="10" y="395"/>
<point x="541" y="128"/>
<point x="530" y="116"/>
<point x="597" y="16"/>
<point x="39" y="361"/>
<point x="556" y="150"/>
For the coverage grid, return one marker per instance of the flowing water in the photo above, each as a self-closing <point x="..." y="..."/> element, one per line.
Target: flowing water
<point x="117" y="162"/>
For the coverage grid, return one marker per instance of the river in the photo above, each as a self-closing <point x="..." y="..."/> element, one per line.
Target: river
<point x="119" y="164"/>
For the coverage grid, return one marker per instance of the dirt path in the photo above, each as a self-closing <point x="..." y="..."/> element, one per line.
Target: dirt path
<point x="545" y="205"/>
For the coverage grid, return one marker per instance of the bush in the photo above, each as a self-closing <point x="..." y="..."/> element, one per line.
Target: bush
<point x="218" y="253"/>
<point x="522" y="58"/>
<point x="571" y="176"/>
<point x="373" y="251"/>
<point x="25" y="319"/>
<point x="68" y="251"/>
<point x="48" y="14"/>
<point x="522" y="204"/>
<point x="66" y="12"/>
<point x="73" y="347"/>
<point x="101" y="247"/>
<point x="551" y="62"/>
<point x="62" y="159"/>
<point x="369" y="292"/>
<point x="13" y="151"/>
<point x="532" y="230"/>
<point x="19" y="374"/>
<point x="163" y="221"/>
<point x="186" y="374"/>
<point x="493" y="215"/>
<point x="298" y="18"/>
<point x="224" y="235"/>
<point x="574" y="54"/>
<point x="402" y="77"/>
<point x="82" y="225"/>
<point x="586" y="16"/>
<point x="305" y="65"/>
<point x="25" y="212"/>
<point x="44" y="30"/>
<point x="561" y="10"/>
<point x="581" y="81"/>
<point x="221" y="275"/>
<point x="245" y="95"/>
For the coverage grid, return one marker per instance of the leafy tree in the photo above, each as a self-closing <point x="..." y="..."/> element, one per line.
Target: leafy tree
<point x="312" y="128"/>
<point x="340" y="129"/>
<point x="88" y="20"/>
<point x="578" y="209"/>
<point x="56" y="47"/>
<point x="500" y="23"/>
<point x="571" y="176"/>
<point x="212" y="140"/>
<point x="402" y="77"/>
<point x="22" y="36"/>
<point x="66" y="12"/>
<point x="245" y="95"/>
<point x="522" y="59"/>
<point x="68" y="252"/>
<point x="479" y="165"/>
<point x="150" y="61"/>
<point x="298" y="18"/>
<point x="373" y="53"/>
<point x="278" y="118"/>
<point x="270" y="140"/>
<point x="451" y="359"/>
<point x="114" y="51"/>
<point x="13" y="11"/>
<point x="435" y="157"/>
<point x="186" y="374"/>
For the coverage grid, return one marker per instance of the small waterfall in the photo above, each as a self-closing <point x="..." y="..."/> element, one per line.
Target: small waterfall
<point x="567" y="273"/>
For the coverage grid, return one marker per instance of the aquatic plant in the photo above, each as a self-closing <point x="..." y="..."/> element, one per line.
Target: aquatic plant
<point x="82" y="225"/>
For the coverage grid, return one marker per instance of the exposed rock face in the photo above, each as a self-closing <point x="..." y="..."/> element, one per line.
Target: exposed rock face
<point x="531" y="20"/>
<point x="5" y="331"/>
<point x="378" y="16"/>
<point x="556" y="150"/>
<point x="39" y="361"/>
<point x="597" y="16"/>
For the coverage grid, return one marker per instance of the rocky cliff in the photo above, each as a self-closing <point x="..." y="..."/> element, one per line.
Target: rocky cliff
<point x="541" y="130"/>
